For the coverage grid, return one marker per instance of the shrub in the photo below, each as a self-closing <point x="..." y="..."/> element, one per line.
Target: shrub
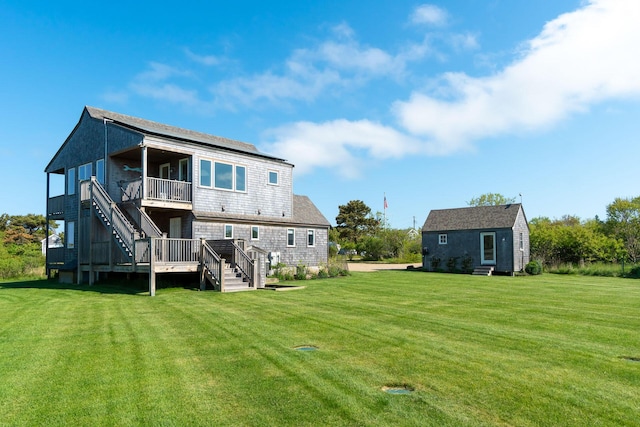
<point x="435" y="263"/>
<point x="451" y="264"/>
<point x="467" y="264"/>
<point x="533" y="267"/>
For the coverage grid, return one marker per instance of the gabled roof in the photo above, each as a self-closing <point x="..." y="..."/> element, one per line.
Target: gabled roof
<point x="472" y="218"/>
<point x="149" y="127"/>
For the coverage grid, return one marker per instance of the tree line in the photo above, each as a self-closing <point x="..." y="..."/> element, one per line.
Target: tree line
<point x="20" y="247"/>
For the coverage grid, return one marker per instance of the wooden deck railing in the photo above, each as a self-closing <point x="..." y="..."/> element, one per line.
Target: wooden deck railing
<point x="56" y="206"/>
<point x="168" y="190"/>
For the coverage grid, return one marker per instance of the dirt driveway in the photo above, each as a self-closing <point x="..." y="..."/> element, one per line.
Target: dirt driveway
<point x="363" y="266"/>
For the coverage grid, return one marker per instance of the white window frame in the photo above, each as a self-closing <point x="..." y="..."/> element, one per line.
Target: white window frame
<point x="70" y="235"/>
<point x="85" y="171"/>
<point x="235" y="169"/>
<point x="165" y="167"/>
<point x="71" y="181"/>
<point x="183" y="169"/>
<point x="273" y="173"/>
<point x="311" y="238"/>
<point x="257" y="232"/>
<point x="443" y="239"/>
<point x="228" y="231"/>
<point x="100" y="171"/>
<point x="210" y="169"/>
<point x="291" y="237"/>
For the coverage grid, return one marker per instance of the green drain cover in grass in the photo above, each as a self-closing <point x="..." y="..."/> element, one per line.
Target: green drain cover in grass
<point x="306" y="348"/>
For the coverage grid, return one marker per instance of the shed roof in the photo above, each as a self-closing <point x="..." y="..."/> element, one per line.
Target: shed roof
<point x="472" y="218"/>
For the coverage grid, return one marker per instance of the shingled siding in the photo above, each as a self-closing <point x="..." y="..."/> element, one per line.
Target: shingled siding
<point x="269" y="200"/>
<point x="272" y="238"/>
<point x="521" y="257"/>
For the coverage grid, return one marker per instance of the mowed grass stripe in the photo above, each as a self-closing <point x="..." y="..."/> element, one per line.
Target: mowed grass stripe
<point x="478" y="351"/>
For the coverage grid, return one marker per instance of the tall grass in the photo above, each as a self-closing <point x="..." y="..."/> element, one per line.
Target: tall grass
<point x="597" y="269"/>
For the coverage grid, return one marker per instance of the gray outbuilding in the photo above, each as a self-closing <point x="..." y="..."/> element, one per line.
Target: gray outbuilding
<point x="482" y="239"/>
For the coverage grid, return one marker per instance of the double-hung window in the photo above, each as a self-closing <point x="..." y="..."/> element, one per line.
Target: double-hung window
<point x="311" y="238"/>
<point x="84" y="171"/>
<point x="228" y="231"/>
<point x="291" y="237"/>
<point x="255" y="232"/>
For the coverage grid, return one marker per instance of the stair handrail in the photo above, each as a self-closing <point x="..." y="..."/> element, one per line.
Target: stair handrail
<point x="243" y="262"/>
<point x="123" y="228"/>
<point x="148" y="227"/>
<point x="212" y="262"/>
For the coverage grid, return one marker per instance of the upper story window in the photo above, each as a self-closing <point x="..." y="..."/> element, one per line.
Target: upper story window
<point x="225" y="176"/>
<point x="205" y="173"/>
<point x="100" y="171"/>
<point x="71" y="181"/>
<point x="255" y="232"/>
<point x="84" y="171"/>
<point x="442" y="239"/>
<point x="273" y="178"/>
<point x="228" y="231"/>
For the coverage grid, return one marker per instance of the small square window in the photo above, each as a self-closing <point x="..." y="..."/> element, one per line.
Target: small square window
<point x="273" y="177"/>
<point x="255" y="232"/>
<point x="442" y="239"/>
<point x="291" y="237"/>
<point x="228" y="231"/>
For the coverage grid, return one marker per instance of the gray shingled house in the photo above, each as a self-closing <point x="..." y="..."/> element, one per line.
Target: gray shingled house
<point x="145" y="197"/>
<point x="484" y="239"/>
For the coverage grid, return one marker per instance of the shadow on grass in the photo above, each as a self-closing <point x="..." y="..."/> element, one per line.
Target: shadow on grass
<point x="106" y="287"/>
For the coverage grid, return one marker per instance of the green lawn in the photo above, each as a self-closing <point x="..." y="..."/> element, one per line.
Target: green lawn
<point x="547" y="350"/>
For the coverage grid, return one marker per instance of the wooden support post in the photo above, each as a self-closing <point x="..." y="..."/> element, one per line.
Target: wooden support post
<point x="152" y="267"/>
<point x="203" y="279"/>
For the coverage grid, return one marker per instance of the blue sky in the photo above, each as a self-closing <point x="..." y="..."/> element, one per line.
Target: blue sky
<point x="432" y="104"/>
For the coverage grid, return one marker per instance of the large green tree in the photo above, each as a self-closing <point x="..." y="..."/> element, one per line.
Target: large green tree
<point x="491" y="199"/>
<point x="354" y="221"/>
<point x="623" y="222"/>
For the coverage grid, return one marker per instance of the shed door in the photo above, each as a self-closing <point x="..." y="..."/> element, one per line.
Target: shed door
<point x="488" y="248"/>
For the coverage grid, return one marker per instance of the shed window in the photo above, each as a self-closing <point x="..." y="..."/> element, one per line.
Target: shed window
<point x="442" y="239"/>
<point x="311" y="238"/>
<point x="521" y="241"/>
<point x="228" y="231"/>
<point x="255" y="232"/>
<point x="291" y="237"/>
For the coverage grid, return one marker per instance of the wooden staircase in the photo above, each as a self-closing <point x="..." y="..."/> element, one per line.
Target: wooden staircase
<point x="483" y="270"/>
<point x="234" y="281"/>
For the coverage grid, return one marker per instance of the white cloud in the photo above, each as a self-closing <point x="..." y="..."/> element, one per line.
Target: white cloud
<point x="429" y="14"/>
<point x="578" y="59"/>
<point x="334" y="144"/>
<point x="208" y="60"/>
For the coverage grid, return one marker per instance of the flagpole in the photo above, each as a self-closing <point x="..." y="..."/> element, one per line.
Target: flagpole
<point x="384" y="217"/>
